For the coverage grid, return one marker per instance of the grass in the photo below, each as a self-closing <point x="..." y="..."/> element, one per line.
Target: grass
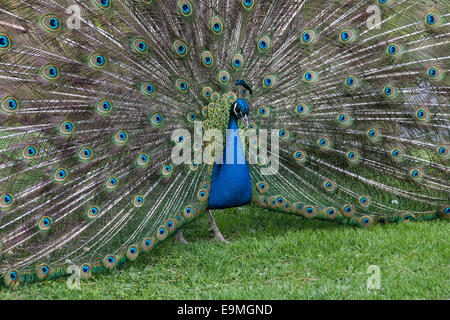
<point x="274" y="256"/>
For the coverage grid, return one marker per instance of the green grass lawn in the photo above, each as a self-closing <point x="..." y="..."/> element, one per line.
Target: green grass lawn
<point x="274" y="256"/>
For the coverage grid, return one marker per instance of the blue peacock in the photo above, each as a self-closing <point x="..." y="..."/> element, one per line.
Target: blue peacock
<point x="354" y="93"/>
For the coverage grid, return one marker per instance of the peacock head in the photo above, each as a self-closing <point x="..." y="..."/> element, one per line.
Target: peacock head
<point x="240" y="107"/>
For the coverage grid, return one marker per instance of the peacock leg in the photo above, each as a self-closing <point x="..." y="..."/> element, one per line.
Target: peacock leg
<point x="214" y="228"/>
<point x="179" y="237"/>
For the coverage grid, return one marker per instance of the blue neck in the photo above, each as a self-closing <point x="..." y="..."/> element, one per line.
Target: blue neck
<point x="231" y="185"/>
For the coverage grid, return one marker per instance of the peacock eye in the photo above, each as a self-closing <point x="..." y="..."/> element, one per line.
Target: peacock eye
<point x="112" y="183"/>
<point x="50" y="23"/>
<point x="97" y="61"/>
<point x="120" y="137"/>
<point x="238" y="61"/>
<point x="434" y="73"/>
<point x="216" y="25"/>
<point x="103" y="4"/>
<point x="364" y="201"/>
<point x="50" y="72"/>
<point x="10" y="105"/>
<point x="166" y="170"/>
<point x="185" y="8"/>
<point x="207" y="59"/>
<point x="416" y="174"/>
<point x="45" y="223"/>
<point x="140" y="46"/>
<point x="223" y="77"/>
<point x="443" y="150"/>
<point x="60" y="175"/>
<point x="29" y="152"/>
<point x="138" y="201"/>
<point x="5" y="42"/>
<point x="181" y="48"/>
<point x="389" y="91"/>
<point x="247" y="4"/>
<point x="264" y="44"/>
<point x="6" y="200"/>
<point x="309" y="76"/>
<point x="182" y="85"/>
<point x="432" y="19"/>
<point x="66" y="128"/>
<point x="353" y="156"/>
<point x="307" y="37"/>
<point x="269" y="81"/>
<point x="263" y="111"/>
<point x="351" y="82"/>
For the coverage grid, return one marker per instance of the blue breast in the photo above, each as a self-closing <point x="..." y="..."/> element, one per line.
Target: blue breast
<point x="231" y="185"/>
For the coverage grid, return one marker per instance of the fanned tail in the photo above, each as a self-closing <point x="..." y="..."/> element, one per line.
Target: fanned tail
<point x="92" y="94"/>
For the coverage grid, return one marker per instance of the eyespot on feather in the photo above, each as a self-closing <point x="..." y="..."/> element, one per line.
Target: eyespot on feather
<point x="45" y="224"/>
<point x="185" y="8"/>
<point x="216" y="25"/>
<point x="248" y="4"/>
<point x="29" y="152"/>
<point x="97" y="61"/>
<point x="140" y="46"/>
<point x="43" y="271"/>
<point x="110" y="261"/>
<point x="50" y="23"/>
<point x="111" y="183"/>
<point x="11" y="277"/>
<point x="264" y="43"/>
<point x="166" y="170"/>
<point x="307" y="37"/>
<point x="6" y="201"/>
<point x="10" y="105"/>
<point x="92" y="212"/>
<point x="238" y="61"/>
<point x="132" y="252"/>
<point x="85" y="153"/>
<point x="50" y="72"/>
<point x="103" y="4"/>
<point x="5" y="42"/>
<point x="180" y="48"/>
<point x="207" y="59"/>
<point x="157" y="119"/>
<point x="147" y="244"/>
<point x="61" y="175"/>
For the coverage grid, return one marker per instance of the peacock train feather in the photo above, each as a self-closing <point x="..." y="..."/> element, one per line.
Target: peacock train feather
<point x="91" y="91"/>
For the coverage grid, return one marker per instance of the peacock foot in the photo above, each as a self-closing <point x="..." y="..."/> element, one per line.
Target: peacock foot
<point x="179" y="237"/>
<point x="215" y="229"/>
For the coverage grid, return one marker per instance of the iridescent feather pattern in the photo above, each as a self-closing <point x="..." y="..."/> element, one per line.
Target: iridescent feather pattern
<point x="92" y="90"/>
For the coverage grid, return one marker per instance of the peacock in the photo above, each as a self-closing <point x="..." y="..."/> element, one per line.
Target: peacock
<point x="123" y="120"/>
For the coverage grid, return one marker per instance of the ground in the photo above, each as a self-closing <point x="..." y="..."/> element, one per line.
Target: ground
<point x="275" y="256"/>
